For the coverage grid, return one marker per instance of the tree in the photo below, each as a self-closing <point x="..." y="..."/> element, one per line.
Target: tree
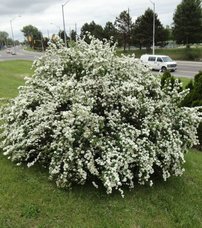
<point x="94" y="29"/>
<point x="9" y="41"/>
<point x="33" y="35"/>
<point x="73" y="35"/>
<point x="169" y="32"/>
<point x="3" y="38"/>
<point x="110" y="31"/>
<point x="46" y="41"/>
<point x="188" y="22"/>
<point x="143" y="30"/>
<point x="62" y="35"/>
<point x="124" y="25"/>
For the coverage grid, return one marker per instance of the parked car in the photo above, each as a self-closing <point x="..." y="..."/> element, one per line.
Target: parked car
<point x="159" y="62"/>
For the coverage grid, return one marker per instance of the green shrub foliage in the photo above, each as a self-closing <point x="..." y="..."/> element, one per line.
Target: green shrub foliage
<point x="194" y="99"/>
<point x="87" y="114"/>
<point x="192" y="54"/>
<point x="167" y="80"/>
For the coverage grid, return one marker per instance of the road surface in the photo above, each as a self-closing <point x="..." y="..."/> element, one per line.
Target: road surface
<point x="185" y="68"/>
<point x="20" y="54"/>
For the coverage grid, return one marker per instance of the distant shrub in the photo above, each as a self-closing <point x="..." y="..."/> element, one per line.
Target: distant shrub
<point x="192" y="54"/>
<point x="88" y="114"/>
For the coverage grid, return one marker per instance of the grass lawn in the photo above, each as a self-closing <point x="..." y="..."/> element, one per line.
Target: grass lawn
<point x="184" y="81"/>
<point x="12" y="75"/>
<point x="28" y="199"/>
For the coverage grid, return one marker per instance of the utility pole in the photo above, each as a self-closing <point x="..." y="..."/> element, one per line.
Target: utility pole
<point x="70" y="30"/>
<point x="48" y="34"/>
<point x="63" y="18"/>
<point x="128" y="35"/>
<point x="12" y="33"/>
<point x="153" y="48"/>
<point x="42" y="46"/>
<point x="76" y="31"/>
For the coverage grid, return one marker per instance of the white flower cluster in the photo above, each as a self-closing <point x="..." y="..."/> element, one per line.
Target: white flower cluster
<point x="87" y="114"/>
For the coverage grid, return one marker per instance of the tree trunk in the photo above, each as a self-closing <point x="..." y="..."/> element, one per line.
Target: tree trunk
<point x="187" y="42"/>
<point x="124" y="42"/>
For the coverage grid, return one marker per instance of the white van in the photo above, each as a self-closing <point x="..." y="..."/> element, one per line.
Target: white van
<point x="159" y="62"/>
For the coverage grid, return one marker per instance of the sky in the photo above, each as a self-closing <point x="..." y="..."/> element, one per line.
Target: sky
<point x="46" y="15"/>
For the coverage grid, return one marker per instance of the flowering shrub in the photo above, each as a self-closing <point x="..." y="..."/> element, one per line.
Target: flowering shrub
<point x="87" y="114"/>
<point x="193" y="99"/>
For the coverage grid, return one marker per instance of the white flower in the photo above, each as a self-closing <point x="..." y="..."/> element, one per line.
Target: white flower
<point x="87" y="113"/>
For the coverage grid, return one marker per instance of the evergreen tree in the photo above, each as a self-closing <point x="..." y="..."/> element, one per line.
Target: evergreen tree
<point x="94" y="29"/>
<point x="62" y="35"/>
<point x="73" y="35"/>
<point x="110" y="31"/>
<point x="188" y="22"/>
<point x="124" y="25"/>
<point x="143" y="30"/>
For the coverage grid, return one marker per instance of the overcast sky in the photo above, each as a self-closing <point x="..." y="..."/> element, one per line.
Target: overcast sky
<point x="41" y="13"/>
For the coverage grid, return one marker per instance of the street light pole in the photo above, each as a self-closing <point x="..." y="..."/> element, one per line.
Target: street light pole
<point x="11" y="24"/>
<point x="12" y="34"/>
<point x="153" y="48"/>
<point x="76" y="31"/>
<point x="63" y="18"/>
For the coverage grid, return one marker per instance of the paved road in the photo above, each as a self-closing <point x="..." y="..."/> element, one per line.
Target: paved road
<point x="185" y="68"/>
<point x="188" y="69"/>
<point x="20" y="54"/>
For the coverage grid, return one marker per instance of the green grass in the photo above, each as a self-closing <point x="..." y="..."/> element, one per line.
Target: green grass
<point x="185" y="81"/>
<point x="12" y="75"/>
<point x="28" y="48"/>
<point x="28" y="199"/>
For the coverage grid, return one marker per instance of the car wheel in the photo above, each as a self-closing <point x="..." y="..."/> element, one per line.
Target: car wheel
<point x="163" y="69"/>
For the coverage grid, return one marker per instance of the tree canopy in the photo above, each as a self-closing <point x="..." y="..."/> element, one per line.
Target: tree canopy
<point x="124" y="25"/>
<point x="188" y="22"/>
<point x="110" y="31"/>
<point x="3" y="38"/>
<point x="32" y="34"/>
<point x="73" y="35"/>
<point x="95" y="29"/>
<point x="143" y="30"/>
<point x="62" y="35"/>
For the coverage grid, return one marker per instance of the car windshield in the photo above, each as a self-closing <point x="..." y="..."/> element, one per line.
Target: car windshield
<point x="167" y="59"/>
